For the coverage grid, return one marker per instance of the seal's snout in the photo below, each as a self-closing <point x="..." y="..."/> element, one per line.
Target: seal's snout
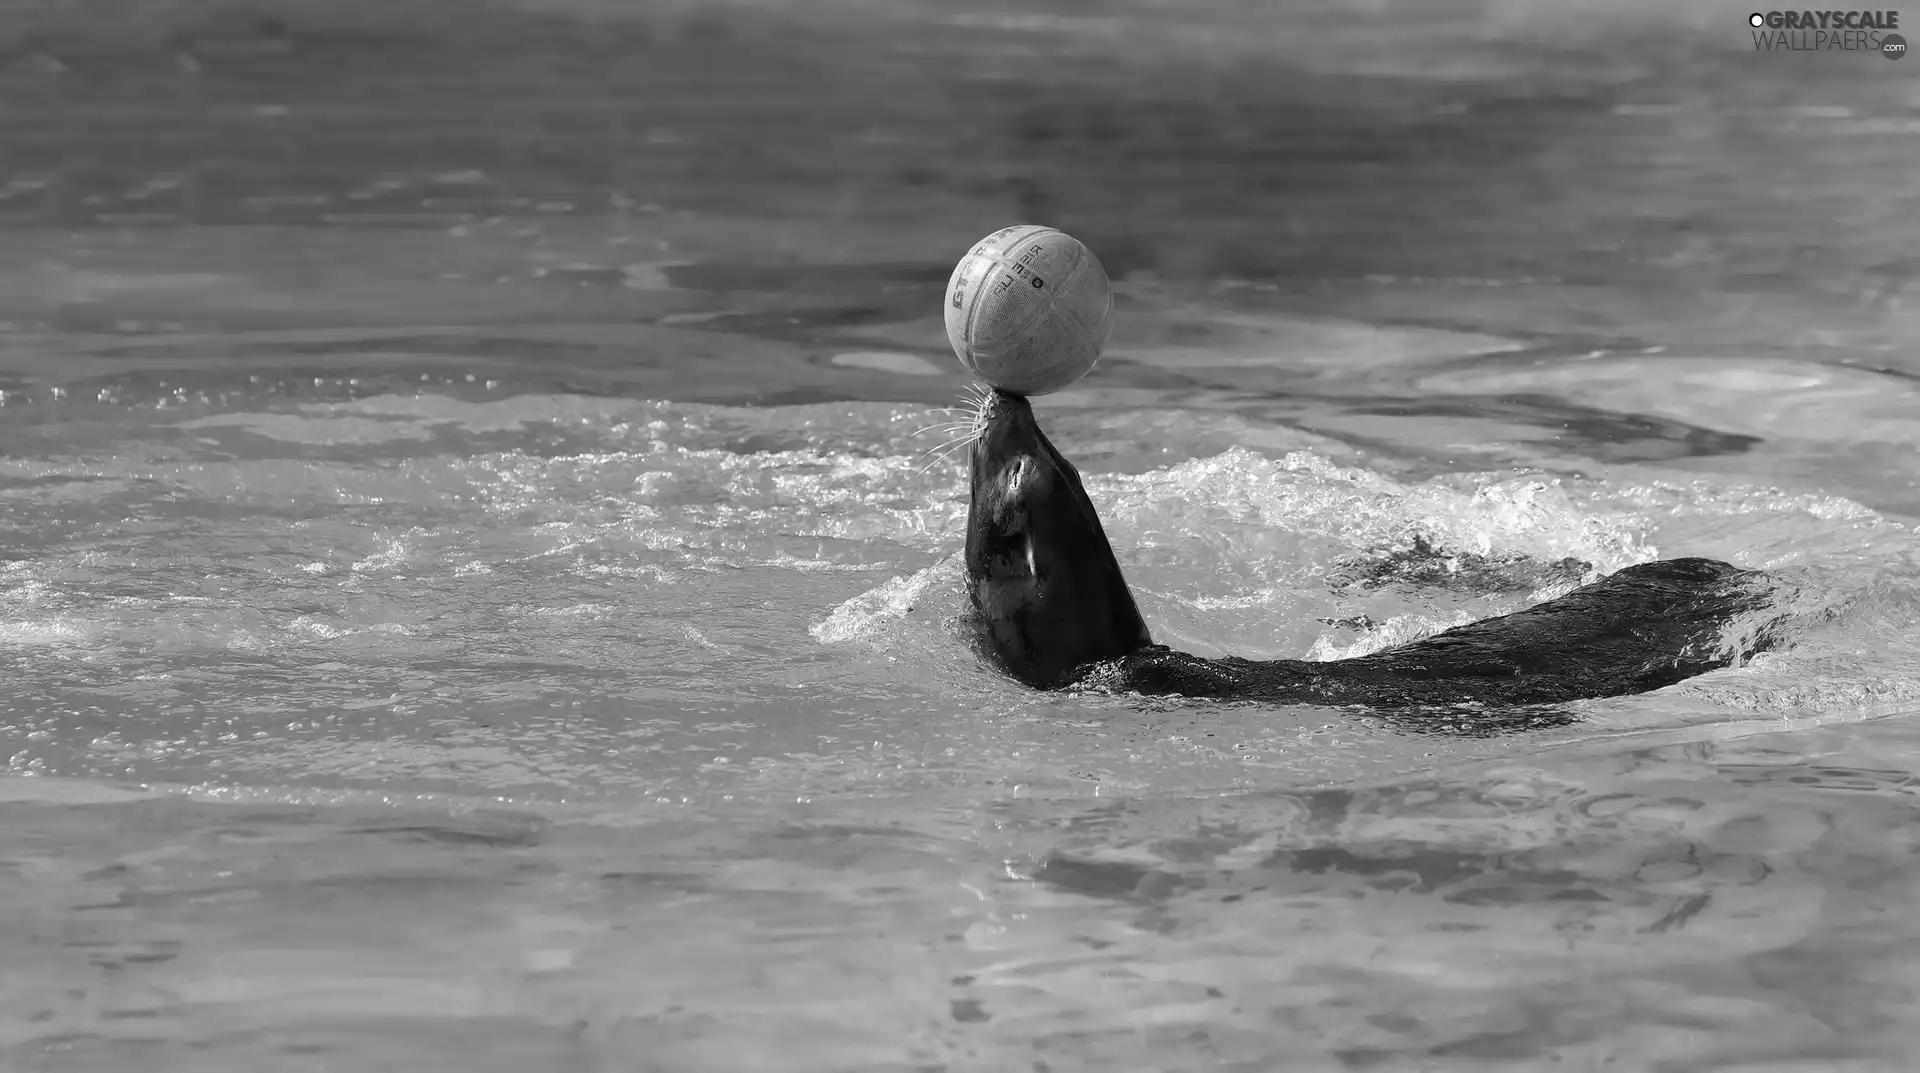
<point x="1008" y="420"/>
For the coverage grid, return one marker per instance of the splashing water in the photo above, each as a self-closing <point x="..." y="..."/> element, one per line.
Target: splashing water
<point x="627" y="636"/>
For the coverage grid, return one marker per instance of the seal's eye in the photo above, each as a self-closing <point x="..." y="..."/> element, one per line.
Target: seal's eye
<point x="1017" y="476"/>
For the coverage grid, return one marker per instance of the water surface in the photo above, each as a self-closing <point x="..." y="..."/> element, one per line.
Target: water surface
<point x="484" y="601"/>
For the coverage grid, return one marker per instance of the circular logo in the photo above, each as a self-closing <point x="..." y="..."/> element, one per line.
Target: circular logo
<point x="1756" y="20"/>
<point x="1893" y="46"/>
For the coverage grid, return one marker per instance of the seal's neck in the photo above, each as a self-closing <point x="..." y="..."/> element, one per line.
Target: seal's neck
<point x="1040" y="571"/>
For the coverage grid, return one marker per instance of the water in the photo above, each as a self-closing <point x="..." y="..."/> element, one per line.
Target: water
<point x="480" y="601"/>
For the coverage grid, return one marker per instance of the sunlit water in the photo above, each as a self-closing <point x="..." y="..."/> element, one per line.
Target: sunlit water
<point x="534" y="641"/>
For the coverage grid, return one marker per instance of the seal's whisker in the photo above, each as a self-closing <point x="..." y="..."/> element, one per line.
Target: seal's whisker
<point x="927" y="467"/>
<point x="936" y="460"/>
<point x="949" y="418"/>
<point x="949" y="445"/>
<point x="950" y="437"/>
<point x="979" y="404"/>
<point x="944" y="426"/>
<point x="933" y="455"/>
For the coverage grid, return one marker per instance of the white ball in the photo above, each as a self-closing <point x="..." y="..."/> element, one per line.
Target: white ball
<point x="1029" y="309"/>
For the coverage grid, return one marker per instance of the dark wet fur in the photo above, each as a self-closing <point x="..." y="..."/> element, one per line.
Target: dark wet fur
<point x="1071" y="618"/>
<point x="1041" y="573"/>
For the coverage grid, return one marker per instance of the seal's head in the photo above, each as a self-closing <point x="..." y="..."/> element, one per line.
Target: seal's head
<point x="1040" y="570"/>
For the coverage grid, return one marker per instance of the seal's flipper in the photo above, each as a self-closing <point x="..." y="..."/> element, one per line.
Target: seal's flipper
<point x="1042" y="574"/>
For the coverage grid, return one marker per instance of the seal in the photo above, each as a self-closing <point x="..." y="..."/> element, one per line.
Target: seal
<point x="1054" y="610"/>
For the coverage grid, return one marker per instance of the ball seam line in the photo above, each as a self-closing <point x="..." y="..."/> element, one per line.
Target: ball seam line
<point x="993" y="254"/>
<point x="1052" y="295"/>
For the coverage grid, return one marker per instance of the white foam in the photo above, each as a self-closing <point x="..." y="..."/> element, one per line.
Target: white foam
<point x="1398" y="630"/>
<point x="1305" y="494"/>
<point x="879" y="609"/>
